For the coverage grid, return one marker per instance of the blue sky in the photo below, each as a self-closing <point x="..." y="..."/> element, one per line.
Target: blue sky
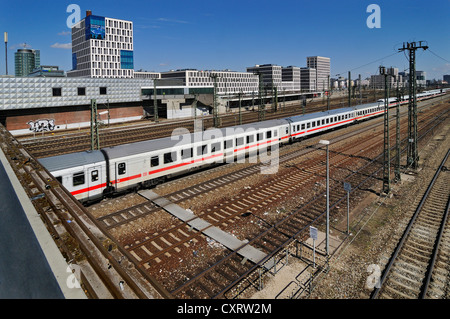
<point x="231" y="34"/>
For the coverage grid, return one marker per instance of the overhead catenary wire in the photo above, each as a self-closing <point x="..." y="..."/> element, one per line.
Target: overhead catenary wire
<point x="377" y="60"/>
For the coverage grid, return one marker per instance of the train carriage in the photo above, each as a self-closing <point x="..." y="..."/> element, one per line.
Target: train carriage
<point x="95" y="174"/>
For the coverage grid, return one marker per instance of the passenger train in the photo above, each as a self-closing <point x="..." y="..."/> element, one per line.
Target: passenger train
<point x="93" y="175"/>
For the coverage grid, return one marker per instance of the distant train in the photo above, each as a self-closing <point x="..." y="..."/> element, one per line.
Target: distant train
<point x="93" y="175"/>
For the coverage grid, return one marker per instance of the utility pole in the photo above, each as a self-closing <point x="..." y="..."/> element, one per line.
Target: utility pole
<point x="329" y="93"/>
<point x="261" y="114"/>
<point x="412" y="151"/>
<point x="397" y="140"/>
<point x="240" y="106"/>
<point x="95" y="141"/>
<point x="387" y="146"/>
<point x="155" y="102"/>
<point x="359" y="89"/>
<point x="349" y="90"/>
<point x="215" y="107"/>
<point x="6" y="51"/>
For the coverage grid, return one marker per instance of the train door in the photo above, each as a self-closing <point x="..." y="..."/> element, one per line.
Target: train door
<point x="95" y="182"/>
<point x="120" y="174"/>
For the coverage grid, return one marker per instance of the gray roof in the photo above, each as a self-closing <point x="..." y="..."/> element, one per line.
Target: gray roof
<point x="311" y="116"/>
<point x="56" y="163"/>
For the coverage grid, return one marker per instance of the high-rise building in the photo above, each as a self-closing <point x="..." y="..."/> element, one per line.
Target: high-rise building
<point x="26" y="60"/>
<point x="308" y="79"/>
<point x="446" y="78"/>
<point x="102" y="48"/>
<point x="322" y="67"/>
<point x="271" y="74"/>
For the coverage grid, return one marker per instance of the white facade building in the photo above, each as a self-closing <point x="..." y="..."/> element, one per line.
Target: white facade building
<point x="322" y="67"/>
<point x="102" y="48"/>
<point x="228" y="82"/>
<point x="35" y="92"/>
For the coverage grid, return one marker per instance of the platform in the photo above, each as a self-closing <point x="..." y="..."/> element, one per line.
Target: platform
<point x="31" y="265"/>
<point x="241" y="247"/>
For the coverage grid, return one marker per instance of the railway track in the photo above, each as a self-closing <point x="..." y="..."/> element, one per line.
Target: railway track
<point x="411" y="267"/>
<point x="155" y="250"/>
<point x="76" y="142"/>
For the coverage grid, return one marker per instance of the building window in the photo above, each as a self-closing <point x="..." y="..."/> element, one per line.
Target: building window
<point x="103" y="91"/>
<point x="81" y="91"/>
<point x="57" y="91"/>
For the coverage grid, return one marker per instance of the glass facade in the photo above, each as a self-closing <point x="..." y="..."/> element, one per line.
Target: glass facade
<point x="201" y="90"/>
<point x="165" y="91"/>
<point x="26" y="61"/>
<point x="126" y="59"/>
<point x="95" y="27"/>
<point x="74" y="61"/>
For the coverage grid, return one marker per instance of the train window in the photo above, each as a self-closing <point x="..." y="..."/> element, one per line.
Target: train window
<point x="228" y="144"/>
<point x="308" y="125"/>
<point x="59" y="179"/>
<point x="298" y="127"/>
<point x="170" y="157"/>
<point x="275" y="133"/>
<point x="268" y="134"/>
<point x="94" y="176"/>
<point x="215" y="147"/>
<point x="239" y="141"/>
<point x="250" y="139"/>
<point x="303" y="126"/>
<point x="314" y="124"/>
<point x="328" y="120"/>
<point x="78" y="179"/>
<point x="186" y="153"/>
<point x="335" y="118"/>
<point x="287" y="130"/>
<point x="259" y="136"/>
<point x="323" y="122"/>
<point x="121" y="168"/>
<point x="154" y="161"/>
<point x="202" y="149"/>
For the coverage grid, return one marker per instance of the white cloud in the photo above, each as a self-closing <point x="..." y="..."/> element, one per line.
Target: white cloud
<point x="65" y="33"/>
<point x="58" y="45"/>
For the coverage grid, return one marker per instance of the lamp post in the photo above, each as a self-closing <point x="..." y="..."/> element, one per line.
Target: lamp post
<point x="325" y="142"/>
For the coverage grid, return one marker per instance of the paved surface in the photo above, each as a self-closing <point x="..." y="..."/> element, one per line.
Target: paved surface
<point x="31" y="265"/>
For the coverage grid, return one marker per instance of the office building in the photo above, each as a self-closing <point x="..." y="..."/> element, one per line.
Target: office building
<point x="290" y="79"/>
<point x="322" y="68"/>
<point x="308" y="79"/>
<point x="446" y="78"/>
<point x="227" y="82"/>
<point x="26" y="60"/>
<point x="102" y="48"/>
<point x="271" y="74"/>
<point x="47" y="71"/>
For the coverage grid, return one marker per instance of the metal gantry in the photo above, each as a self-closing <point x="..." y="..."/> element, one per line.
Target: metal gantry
<point x="387" y="145"/>
<point x="95" y="140"/>
<point x="412" y="151"/>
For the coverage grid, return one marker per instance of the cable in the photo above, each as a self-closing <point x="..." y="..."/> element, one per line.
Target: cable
<point x="370" y="63"/>
<point x="438" y="56"/>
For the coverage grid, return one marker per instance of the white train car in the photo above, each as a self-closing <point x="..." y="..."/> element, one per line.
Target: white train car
<point x="83" y="174"/>
<point x="93" y="175"/>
